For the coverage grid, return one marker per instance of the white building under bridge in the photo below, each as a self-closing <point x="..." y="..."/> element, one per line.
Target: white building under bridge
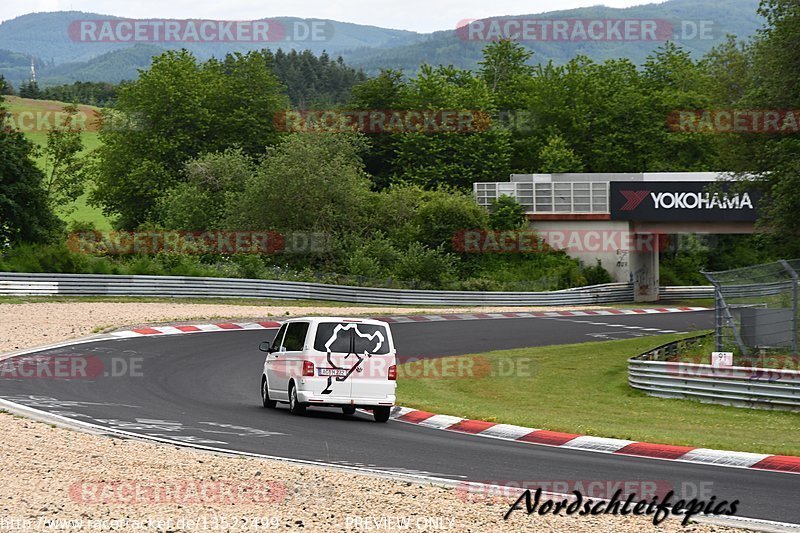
<point x="623" y="220"/>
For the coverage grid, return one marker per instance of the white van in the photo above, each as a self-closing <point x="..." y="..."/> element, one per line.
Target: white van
<point x="331" y="362"/>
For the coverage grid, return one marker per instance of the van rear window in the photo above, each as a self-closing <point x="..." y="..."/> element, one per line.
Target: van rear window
<point x="351" y="337"/>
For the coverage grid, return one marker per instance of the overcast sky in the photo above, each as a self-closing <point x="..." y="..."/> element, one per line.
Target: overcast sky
<point x="416" y="15"/>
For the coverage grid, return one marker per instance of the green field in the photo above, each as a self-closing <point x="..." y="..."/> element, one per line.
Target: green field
<point x="582" y="388"/>
<point x="80" y="210"/>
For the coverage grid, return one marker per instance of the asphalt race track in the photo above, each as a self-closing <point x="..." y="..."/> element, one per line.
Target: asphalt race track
<point x="204" y="388"/>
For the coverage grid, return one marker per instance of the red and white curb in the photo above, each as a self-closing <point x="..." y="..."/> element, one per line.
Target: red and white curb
<point x="199" y="328"/>
<point x="538" y="314"/>
<point x="400" y="319"/>
<point x="760" y="461"/>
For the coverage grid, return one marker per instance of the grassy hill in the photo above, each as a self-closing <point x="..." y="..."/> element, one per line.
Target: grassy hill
<point x="17" y="107"/>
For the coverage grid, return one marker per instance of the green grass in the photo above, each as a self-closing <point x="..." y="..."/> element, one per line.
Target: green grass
<point x="582" y="388"/>
<point x="81" y="211"/>
<point x="91" y="140"/>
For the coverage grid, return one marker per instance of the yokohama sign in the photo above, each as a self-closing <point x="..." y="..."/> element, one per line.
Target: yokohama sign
<point x="682" y="201"/>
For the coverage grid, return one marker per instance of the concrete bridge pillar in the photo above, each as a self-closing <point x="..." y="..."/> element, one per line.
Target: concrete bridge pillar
<point x="644" y="267"/>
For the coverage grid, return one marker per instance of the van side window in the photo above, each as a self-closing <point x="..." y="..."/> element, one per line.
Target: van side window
<point x="295" y="336"/>
<point x="276" y="343"/>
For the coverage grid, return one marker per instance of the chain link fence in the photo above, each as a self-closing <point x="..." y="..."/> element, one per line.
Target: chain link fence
<point x="757" y="311"/>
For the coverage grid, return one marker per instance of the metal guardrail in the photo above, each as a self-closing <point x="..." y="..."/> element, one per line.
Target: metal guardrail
<point x="195" y="287"/>
<point x="762" y="388"/>
<point x="707" y="291"/>
<point x="686" y="292"/>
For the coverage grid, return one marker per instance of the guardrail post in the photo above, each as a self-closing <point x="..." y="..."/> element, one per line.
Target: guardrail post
<point x="718" y="303"/>
<point x="793" y="273"/>
<point x="723" y="313"/>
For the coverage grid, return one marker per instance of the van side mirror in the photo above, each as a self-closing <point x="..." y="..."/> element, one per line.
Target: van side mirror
<point x="265" y="346"/>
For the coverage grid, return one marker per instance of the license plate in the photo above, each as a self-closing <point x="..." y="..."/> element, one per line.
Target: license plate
<point x="332" y="372"/>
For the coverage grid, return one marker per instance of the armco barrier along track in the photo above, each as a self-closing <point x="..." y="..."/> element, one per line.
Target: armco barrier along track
<point x="171" y="286"/>
<point x="741" y="386"/>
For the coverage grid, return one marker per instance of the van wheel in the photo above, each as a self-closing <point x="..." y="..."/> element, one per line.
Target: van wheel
<point x="268" y="403"/>
<point x="381" y="414"/>
<point x="349" y="409"/>
<point x="295" y="407"/>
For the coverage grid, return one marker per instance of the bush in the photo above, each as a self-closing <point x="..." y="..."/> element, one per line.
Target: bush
<point x="427" y="265"/>
<point x="249" y="266"/>
<point x="175" y="264"/>
<point x="506" y="214"/>
<point x="78" y="226"/>
<point x="56" y="258"/>
<point x="144" y="265"/>
<point x="596" y="275"/>
<point x="481" y="284"/>
<point x="445" y="213"/>
<point x="364" y="265"/>
<point x="542" y="271"/>
<point x="306" y="183"/>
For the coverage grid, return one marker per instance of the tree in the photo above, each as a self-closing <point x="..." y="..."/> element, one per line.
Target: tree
<point x="180" y="109"/>
<point x="556" y="157"/>
<point x="451" y="158"/>
<point x="65" y="171"/>
<point x="313" y="183"/>
<point x="383" y="92"/>
<point x="505" y="213"/>
<point x="775" y="166"/>
<point x="199" y="202"/>
<point x="5" y="87"/>
<point x="439" y="219"/>
<point x="313" y="82"/>
<point x="29" y="90"/>
<point x="505" y="70"/>
<point x="729" y="69"/>
<point x="25" y="215"/>
<point x="672" y="82"/>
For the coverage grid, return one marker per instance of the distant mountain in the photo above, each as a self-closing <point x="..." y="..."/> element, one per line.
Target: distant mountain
<point x="736" y="17"/>
<point x="112" y="67"/>
<point x="61" y="59"/>
<point x="52" y="39"/>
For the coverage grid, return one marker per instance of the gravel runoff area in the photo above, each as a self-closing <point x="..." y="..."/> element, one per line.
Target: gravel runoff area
<point x="54" y="479"/>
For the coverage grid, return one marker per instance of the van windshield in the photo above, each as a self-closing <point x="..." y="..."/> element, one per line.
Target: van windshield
<point x="352" y="337"/>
